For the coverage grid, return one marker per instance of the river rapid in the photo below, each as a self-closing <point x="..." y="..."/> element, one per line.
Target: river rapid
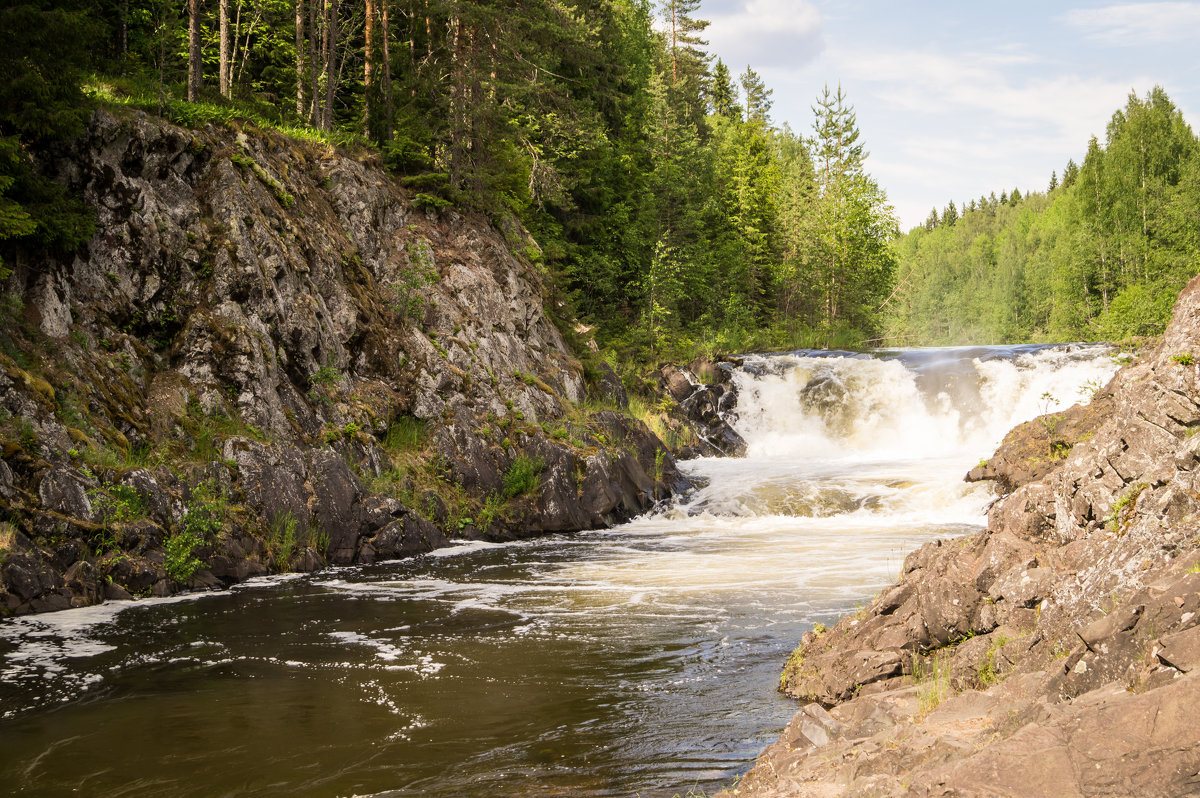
<point x="638" y="660"/>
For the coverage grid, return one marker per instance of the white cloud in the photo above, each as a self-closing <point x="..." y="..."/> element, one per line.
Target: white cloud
<point x="948" y="85"/>
<point x="765" y="33"/>
<point x="1137" y="23"/>
<point x="944" y="126"/>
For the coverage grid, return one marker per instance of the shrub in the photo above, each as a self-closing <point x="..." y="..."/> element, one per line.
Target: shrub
<point x="180" y="559"/>
<point x="523" y="476"/>
<point x="205" y="511"/>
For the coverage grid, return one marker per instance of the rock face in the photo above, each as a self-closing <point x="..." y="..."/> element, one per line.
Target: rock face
<point x="1055" y="653"/>
<point x="703" y="393"/>
<point x="267" y="348"/>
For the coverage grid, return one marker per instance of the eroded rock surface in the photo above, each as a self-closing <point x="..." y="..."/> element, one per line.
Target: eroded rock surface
<point x="1052" y="654"/>
<point x="268" y="346"/>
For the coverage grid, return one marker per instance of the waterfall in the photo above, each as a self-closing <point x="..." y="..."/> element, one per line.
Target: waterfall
<point x="642" y="659"/>
<point x="888" y="436"/>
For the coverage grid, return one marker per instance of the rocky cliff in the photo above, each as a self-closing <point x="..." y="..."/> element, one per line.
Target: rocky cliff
<point x="1055" y="653"/>
<point x="267" y="358"/>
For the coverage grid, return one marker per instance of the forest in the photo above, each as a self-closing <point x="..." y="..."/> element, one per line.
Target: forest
<point x="671" y="214"/>
<point x="1100" y="255"/>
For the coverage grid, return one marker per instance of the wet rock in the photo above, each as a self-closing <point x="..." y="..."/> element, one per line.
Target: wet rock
<point x="337" y="493"/>
<point x="164" y="507"/>
<point x="702" y="404"/>
<point x="64" y="490"/>
<point x="1071" y="625"/>
<point x="405" y="537"/>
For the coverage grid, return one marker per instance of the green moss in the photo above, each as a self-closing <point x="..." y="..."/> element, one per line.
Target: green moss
<point x="1122" y="509"/>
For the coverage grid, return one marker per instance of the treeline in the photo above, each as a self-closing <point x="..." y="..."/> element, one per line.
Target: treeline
<point x="669" y="210"/>
<point x="1101" y="255"/>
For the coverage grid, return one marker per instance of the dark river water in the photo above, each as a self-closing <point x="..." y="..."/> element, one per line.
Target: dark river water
<point x="642" y="660"/>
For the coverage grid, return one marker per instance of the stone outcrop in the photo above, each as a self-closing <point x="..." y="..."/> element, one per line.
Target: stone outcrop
<point x="1054" y="653"/>
<point x="268" y="348"/>
<point x="703" y="393"/>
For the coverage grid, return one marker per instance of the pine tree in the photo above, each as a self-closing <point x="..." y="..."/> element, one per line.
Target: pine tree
<point x="758" y="97"/>
<point x="722" y="95"/>
<point x="950" y="214"/>
<point x="1070" y="174"/>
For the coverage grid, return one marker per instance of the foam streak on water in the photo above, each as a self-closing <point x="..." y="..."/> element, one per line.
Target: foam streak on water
<point x="641" y="659"/>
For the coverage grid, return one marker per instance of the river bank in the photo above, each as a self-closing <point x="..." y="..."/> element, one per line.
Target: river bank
<point x="641" y="659"/>
<point x="1053" y="653"/>
<point x="269" y="359"/>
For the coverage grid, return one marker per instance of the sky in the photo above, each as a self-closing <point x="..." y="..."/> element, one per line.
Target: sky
<point x="959" y="99"/>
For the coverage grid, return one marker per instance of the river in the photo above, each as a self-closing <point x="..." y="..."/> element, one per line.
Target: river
<point x="638" y="660"/>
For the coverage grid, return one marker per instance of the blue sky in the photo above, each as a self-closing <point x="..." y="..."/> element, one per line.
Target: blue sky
<point x="955" y="100"/>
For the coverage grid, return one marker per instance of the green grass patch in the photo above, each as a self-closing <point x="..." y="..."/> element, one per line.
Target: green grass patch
<point x="523" y="476"/>
<point x="405" y="434"/>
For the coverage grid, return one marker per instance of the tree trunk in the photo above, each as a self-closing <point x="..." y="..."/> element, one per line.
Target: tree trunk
<point x="313" y="67"/>
<point x="331" y="42"/>
<point x="387" y="72"/>
<point x="195" y="66"/>
<point x="300" y="58"/>
<point x="224" y="73"/>
<point x="368" y="65"/>
<point x="124" y="27"/>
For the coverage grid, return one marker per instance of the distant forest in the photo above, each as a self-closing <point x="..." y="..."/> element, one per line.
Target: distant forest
<point x="670" y="212"/>
<point x="1101" y="254"/>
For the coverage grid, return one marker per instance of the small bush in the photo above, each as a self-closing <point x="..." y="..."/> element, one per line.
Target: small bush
<point x="180" y="559"/>
<point x="933" y="681"/>
<point x="428" y="202"/>
<point x="117" y="504"/>
<point x="326" y="375"/>
<point x="1122" y="509"/>
<point x="523" y="476"/>
<point x="206" y="510"/>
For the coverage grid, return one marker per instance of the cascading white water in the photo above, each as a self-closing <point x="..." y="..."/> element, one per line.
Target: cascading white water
<point x="890" y="436"/>
<point x="642" y="659"/>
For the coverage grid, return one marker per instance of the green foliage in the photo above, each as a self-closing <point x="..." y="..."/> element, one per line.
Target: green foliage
<point x="932" y="677"/>
<point x="282" y="541"/>
<point x="44" y="48"/>
<point x="203" y="520"/>
<point x="1102" y="256"/>
<point x="1183" y="359"/>
<point x="1122" y="509"/>
<point x="326" y="376"/>
<point x="179" y="556"/>
<point x="523" y="476"/>
<point x="206" y="511"/>
<point x="408" y="288"/>
<point x="429" y="202"/>
<point x="118" y="504"/>
<point x="673" y="218"/>
<point x="405" y="434"/>
<point x="988" y="673"/>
